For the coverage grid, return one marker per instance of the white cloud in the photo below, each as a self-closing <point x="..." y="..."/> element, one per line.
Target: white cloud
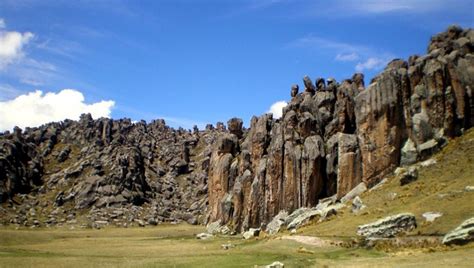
<point x="2" y="24"/>
<point x="277" y="109"/>
<point x="11" y="46"/>
<point x="368" y="58"/>
<point x="347" y="56"/>
<point x="372" y="63"/>
<point x="312" y="41"/>
<point x="35" y="108"/>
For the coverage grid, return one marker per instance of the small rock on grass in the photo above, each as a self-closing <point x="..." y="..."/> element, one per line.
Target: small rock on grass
<point x="203" y="236"/>
<point x="252" y="232"/>
<point x="469" y="188"/>
<point x="431" y="216"/>
<point x="227" y="246"/>
<point x="275" y="264"/>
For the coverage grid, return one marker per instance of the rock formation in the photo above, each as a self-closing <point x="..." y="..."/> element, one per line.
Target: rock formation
<point x="331" y="138"/>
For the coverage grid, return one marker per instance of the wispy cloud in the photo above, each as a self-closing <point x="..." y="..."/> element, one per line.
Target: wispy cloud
<point x="63" y="48"/>
<point x="372" y="63"/>
<point x="261" y="4"/>
<point x="391" y="6"/>
<point x="313" y="41"/>
<point x="352" y="56"/>
<point x="8" y="92"/>
<point x="367" y="58"/>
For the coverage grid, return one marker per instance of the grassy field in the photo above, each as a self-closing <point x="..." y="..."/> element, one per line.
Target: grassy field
<point x="162" y="246"/>
<point x="175" y="246"/>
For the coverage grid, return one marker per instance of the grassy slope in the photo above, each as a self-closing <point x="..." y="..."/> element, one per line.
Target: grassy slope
<point x="439" y="188"/>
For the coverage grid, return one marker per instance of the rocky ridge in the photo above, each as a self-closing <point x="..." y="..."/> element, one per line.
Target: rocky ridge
<point x="334" y="136"/>
<point x="331" y="138"/>
<point x="109" y="171"/>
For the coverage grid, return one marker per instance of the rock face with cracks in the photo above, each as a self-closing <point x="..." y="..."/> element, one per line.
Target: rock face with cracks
<point x="332" y="138"/>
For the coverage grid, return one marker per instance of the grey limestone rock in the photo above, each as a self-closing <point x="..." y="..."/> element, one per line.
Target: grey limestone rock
<point x="389" y="226"/>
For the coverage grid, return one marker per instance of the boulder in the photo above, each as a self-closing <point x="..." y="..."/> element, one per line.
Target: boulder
<point x="294" y="90"/>
<point x="410" y="176"/>
<point x="356" y="191"/>
<point x="389" y="226"/>
<point x="428" y="148"/>
<point x="409" y="153"/>
<point x="330" y="211"/>
<point x="252" y="232"/>
<point x="428" y="162"/>
<point x="274" y="226"/>
<point x="308" y="84"/>
<point x="234" y="125"/>
<point x="303" y="218"/>
<point x="204" y="236"/>
<point x="357" y="205"/>
<point x="462" y="234"/>
<point x="275" y="264"/>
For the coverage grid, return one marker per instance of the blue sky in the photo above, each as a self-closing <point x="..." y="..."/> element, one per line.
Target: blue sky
<point x="198" y="62"/>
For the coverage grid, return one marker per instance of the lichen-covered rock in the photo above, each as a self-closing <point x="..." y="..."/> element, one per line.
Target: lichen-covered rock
<point x="389" y="226"/>
<point x="462" y="234"/>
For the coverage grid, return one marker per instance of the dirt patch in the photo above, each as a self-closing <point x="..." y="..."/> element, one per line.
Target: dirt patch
<point x="311" y="240"/>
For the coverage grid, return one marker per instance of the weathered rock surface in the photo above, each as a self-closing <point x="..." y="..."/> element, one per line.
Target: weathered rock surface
<point x="462" y="234"/>
<point x="96" y="168"/>
<point x="389" y="226"/>
<point x="333" y="137"/>
<point x="278" y="221"/>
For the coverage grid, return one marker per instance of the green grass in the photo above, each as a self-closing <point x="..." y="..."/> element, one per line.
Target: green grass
<point x="161" y="246"/>
<point x="175" y="246"/>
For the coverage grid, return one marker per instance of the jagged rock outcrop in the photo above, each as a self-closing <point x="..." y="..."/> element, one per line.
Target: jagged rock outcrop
<point x="107" y="171"/>
<point x="333" y="137"/>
